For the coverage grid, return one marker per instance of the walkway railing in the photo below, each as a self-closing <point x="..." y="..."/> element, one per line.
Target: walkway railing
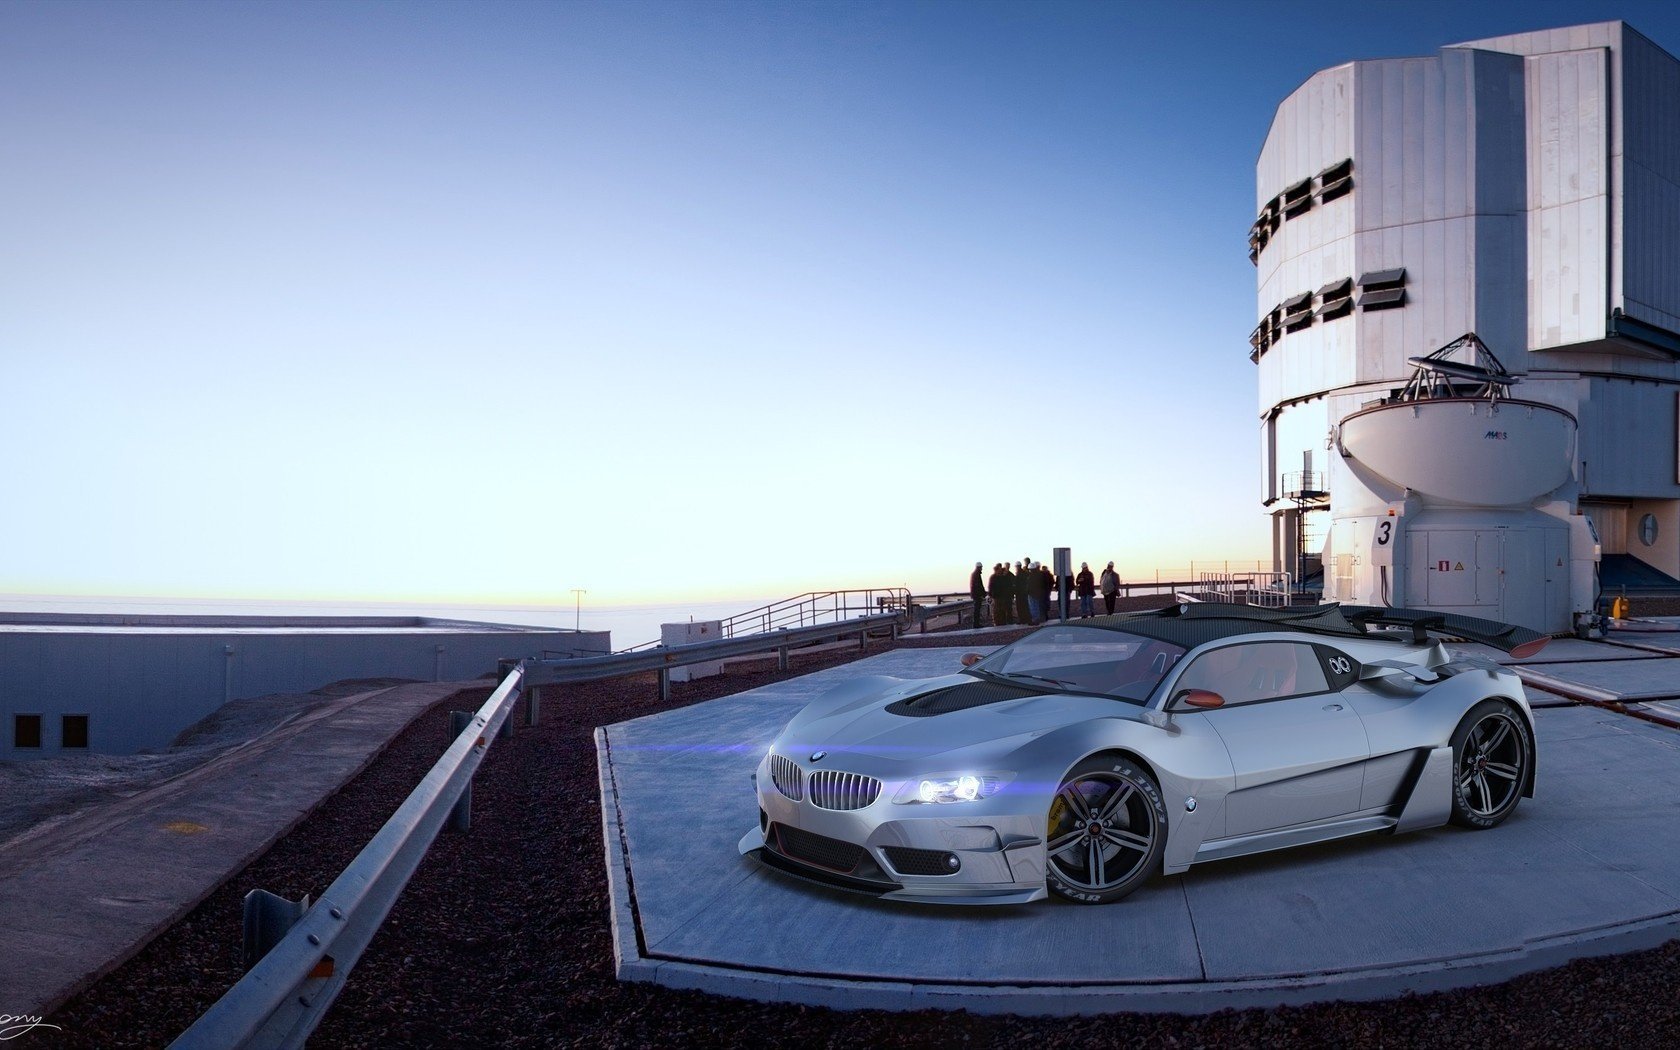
<point x="815" y="607"/>
<point x="299" y="954"/>
<point x="1270" y="589"/>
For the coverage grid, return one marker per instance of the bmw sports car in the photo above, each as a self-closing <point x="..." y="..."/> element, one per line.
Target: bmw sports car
<point x="1088" y="756"/>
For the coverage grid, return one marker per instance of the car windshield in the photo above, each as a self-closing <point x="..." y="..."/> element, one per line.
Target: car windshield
<point x="1084" y="660"/>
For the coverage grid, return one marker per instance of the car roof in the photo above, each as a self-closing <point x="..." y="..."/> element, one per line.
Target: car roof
<point x="1201" y="622"/>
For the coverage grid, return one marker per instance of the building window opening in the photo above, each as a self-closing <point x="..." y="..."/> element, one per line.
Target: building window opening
<point x="1335" y="299"/>
<point x="1297" y="312"/>
<point x="1648" y="530"/>
<point x="26" y="731"/>
<point x="73" y="731"/>
<point x="1382" y="289"/>
<point x="1335" y="181"/>
<point x="1297" y="198"/>
<point x="1260" y="234"/>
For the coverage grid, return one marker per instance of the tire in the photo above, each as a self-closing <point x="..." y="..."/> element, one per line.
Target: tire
<point x="1103" y="865"/>
<point x="1493" y="757"/>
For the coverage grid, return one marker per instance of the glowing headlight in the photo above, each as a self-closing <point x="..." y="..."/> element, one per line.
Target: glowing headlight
<point x="952" y="787"/>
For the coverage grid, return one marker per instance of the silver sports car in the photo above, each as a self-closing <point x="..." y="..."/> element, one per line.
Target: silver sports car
<point x="1090" y="755"/>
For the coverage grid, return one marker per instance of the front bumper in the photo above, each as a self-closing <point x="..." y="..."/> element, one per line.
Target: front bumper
<point x="989" y="851"/>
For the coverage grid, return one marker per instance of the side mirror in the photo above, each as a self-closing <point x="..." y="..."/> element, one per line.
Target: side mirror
<point x="1204" y="699"/>
<point x="970" y="659"/>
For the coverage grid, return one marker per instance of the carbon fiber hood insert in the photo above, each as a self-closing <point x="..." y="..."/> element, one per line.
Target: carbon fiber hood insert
<point x="959" y="698"/>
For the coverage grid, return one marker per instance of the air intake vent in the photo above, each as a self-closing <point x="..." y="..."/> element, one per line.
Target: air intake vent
<point x="907" y="861"/>
<point x="784" y="773"/>
<point x="831" y="789"/>
<point x="824" y="852"/>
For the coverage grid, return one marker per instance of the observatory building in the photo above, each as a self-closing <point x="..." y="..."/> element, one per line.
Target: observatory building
<point x="1469" y="324"/>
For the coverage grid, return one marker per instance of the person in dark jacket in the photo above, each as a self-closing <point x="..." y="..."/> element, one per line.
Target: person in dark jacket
<point x="977" y="591"/>
<point x="1046" y="584"/>
<point x="1023" y="593"/>
<point x="1085" y="585"/>
<point x="1002" y="590"/>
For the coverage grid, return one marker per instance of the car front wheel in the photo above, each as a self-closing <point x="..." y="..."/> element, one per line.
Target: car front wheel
<point x="1107" y="829"/>
<point x="1493" y="754"/>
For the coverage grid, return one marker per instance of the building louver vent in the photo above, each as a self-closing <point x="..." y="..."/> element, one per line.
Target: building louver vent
<point x="1298" y="198"/>
<point x="1382" y="289"/>
<point x="1297" y="312"/>
<point x="1335" y="299"/>
<point x="1335" y="181"/>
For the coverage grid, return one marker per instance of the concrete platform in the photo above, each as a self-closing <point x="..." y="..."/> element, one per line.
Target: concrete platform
<point x="1588" y="867"/>
<point x="80" y="898"/>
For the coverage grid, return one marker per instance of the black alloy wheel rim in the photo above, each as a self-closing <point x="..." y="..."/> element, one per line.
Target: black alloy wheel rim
<point x="1490" y="772"/>
<point x="1102" y="830"/>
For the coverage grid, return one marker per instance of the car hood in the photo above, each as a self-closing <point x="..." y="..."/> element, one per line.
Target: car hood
<point x="855" y="721"/>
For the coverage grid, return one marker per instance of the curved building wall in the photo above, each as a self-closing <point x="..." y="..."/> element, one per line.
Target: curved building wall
<point x="1526" y="188"/>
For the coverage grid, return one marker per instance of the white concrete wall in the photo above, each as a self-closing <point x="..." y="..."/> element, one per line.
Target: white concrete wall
<point x="141" y="689"/>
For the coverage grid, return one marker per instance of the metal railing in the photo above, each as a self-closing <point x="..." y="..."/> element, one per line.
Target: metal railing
<point x="1306" y="484"/>
<point x="1270" y="589"/>
<point x="664" y="658"/>
<point x="804" y="610"/>
<point x="300" y="954"/>
<point x="815" y="607"/>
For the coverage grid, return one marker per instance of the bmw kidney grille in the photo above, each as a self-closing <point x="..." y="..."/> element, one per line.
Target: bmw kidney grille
<point x="784" y="773"/>
<point x="832" y="789"/>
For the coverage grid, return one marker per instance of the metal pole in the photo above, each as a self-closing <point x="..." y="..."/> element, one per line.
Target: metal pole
<point x="460" y="818"/>
<point x="533" y="701"/>
<point x="577" y="608"/>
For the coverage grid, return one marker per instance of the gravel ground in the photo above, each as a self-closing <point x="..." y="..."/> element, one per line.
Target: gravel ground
<point x="502" y="939"/>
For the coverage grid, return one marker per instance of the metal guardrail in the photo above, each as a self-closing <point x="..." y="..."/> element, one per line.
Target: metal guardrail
<point x="663" y="659"/>
<point x="287" y="991"/>
<point x="804" y="610"/>
<point x="284" y="996"/>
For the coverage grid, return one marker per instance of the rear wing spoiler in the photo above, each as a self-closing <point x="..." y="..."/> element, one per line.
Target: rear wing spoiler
<point x="1518" y="641"/>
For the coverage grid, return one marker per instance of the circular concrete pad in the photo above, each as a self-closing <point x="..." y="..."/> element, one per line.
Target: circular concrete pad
<point x="1584" y="868"/>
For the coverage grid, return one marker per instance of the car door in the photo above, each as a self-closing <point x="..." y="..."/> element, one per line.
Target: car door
<point x="1297" y="751"/>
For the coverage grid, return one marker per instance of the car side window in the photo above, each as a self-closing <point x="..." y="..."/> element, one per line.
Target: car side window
<point x="1249" y="672"/>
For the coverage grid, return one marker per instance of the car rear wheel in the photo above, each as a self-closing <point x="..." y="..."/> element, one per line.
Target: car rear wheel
<point x="1493" y="755"/>
<point x="1106" y="831"/>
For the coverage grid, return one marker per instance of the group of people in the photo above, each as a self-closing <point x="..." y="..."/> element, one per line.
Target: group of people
<point x="1023" y="596"/>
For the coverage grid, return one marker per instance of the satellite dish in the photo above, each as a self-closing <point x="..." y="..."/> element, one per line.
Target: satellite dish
<point x="1475" y="373"/>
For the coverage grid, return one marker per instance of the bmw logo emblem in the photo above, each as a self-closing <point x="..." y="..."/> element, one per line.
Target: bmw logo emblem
<point x="817" y="756"/>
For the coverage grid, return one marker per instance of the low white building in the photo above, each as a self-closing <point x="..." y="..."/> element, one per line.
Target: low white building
<point x="1525" y="188"/>
<point x="77" y="683"/>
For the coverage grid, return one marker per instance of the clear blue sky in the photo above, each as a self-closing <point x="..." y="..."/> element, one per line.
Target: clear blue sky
<point x="489" y="301"/>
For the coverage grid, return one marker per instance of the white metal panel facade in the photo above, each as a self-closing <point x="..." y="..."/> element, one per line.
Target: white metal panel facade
<point x="1650" y="183"/>
<point x="1568" y="198"/>
<point x="1627" y="441"/>
<point x="1529" y="188"/>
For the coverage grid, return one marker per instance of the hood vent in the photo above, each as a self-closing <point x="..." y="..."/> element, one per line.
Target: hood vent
<point x="959" y="698"/>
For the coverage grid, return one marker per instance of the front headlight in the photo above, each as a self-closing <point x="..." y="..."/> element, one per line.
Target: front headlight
<point x="951" y="787"/>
